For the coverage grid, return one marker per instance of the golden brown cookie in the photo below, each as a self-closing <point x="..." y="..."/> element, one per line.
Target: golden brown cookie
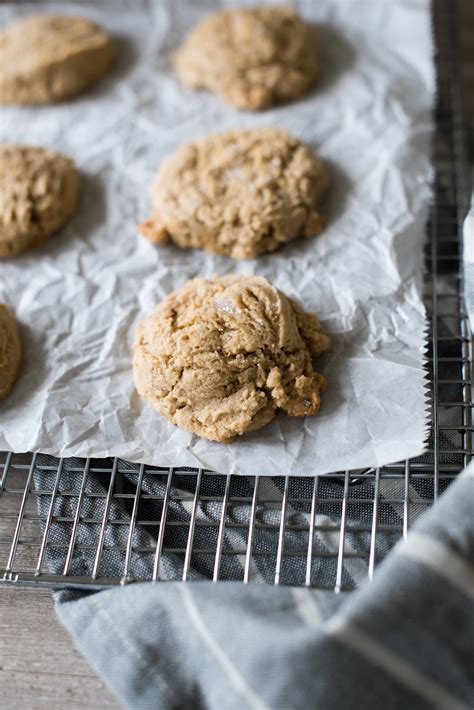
<point x="220" y="356"/>
<point x="252" y="58"/>
<point x="39" y="191"/>
<point x="240" y="193"/>
<point x="10" y="351"/>
<point x="47" y="58"/>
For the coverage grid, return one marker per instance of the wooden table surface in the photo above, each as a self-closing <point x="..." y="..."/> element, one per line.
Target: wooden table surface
<point x="39" y="666"/>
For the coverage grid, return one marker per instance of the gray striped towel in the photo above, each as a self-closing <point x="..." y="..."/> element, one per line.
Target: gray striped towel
<point x="403" y="641"/>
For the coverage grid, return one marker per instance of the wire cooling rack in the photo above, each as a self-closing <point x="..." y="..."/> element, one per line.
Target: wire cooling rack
<point x="88" y="524"/>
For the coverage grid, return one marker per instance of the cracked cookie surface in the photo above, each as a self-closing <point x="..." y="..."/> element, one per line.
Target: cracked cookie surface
<point x="10" y="351"/>
<point x="251" y="57"/>
<point x="221" y="356"/>
<point x="39" y="191"/>
<point x="239" y="193"/>
<point x="47" y="58"/>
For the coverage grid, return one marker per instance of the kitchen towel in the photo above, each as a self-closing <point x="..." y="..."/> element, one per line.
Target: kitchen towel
<point x="403" y="641"/>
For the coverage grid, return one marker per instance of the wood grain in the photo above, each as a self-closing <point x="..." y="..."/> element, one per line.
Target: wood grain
<point x="39" y="666"/>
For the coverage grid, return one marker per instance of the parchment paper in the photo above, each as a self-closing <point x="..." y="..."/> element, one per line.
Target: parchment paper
<point x="79" y="297"/>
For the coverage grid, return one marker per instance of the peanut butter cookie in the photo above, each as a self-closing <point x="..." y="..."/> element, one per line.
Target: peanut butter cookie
<point x="47" y="58"/>
<point x="10" y="351"/>
<point x="252" y="58"/>
<point x="39" y="191"/>
<point x="220" y="356"/>
<point x="240" y="193"/>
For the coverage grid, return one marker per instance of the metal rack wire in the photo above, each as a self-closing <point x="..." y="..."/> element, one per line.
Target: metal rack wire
<point x="93" y="523"/>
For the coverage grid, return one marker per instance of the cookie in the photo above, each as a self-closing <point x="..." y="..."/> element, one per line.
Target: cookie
<point x="240" y="193"/>
<point x="252" y="58"/>
<point x="10" y="351"/>
<point x="219" y="357"/>
<point x="39" y="191"/>
<point x="47" y="58"/>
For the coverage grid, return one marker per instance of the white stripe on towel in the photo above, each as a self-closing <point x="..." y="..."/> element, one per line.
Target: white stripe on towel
<point x="399" y="669"/>
<point x="307" y="607"/>
<point x="440" y="559"/>
<point x="225" y="663"/>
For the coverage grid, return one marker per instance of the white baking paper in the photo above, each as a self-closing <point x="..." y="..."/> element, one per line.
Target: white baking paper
<point x="79" y="297"/>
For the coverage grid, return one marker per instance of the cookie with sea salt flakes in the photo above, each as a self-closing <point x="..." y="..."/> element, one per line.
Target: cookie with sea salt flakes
<point x="48" y="58"/>
<point x="39" y="191"/>
<point x="251" y="57"/>
<point x="219" y="357"/>
<point x="10" y="351"/>
<point x="239" y="193"/>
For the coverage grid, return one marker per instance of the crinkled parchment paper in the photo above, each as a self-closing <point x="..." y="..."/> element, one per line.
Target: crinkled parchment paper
<point x="79" y="297"/>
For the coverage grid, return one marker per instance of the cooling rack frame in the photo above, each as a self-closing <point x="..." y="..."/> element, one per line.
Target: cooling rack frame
<point x="344" y="522"/>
